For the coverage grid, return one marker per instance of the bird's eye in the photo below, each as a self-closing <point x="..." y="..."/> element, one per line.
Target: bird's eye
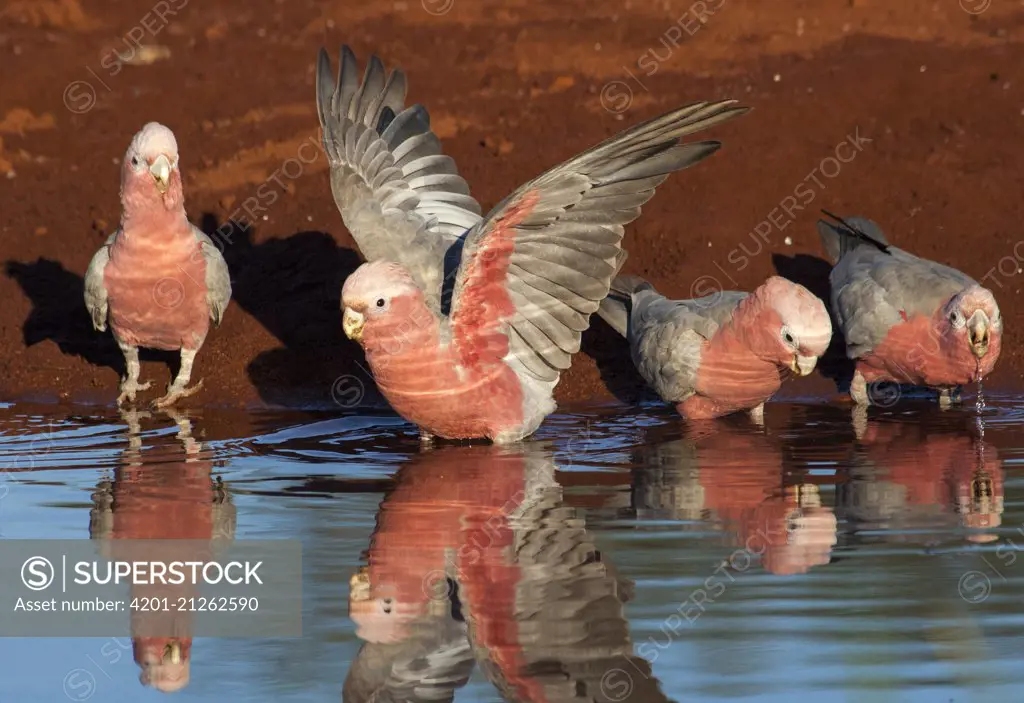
<point x="135" y="161"/>
<point x="956" y="319"/>
<point x="381" y="302"/>
<point x="788" y="337"/>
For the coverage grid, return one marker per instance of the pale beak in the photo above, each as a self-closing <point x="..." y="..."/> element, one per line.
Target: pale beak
<point x="359" y="585"/>
<point x="174" y="651"/>
<point x="977" y="331"/>
<point x="160" y="169"/>
<point x="352" y="322"/>
<point x="803" y="365"/>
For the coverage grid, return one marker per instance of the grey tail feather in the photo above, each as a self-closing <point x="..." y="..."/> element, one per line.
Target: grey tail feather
<point x="848" y="234"/>
<point x="615" y="308"/>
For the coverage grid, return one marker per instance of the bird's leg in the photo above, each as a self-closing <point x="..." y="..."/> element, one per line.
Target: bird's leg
<point x="177" y="390"/>
<point x="859" y="389"/>
<point x="949" y="397"/>
<point x="859" y="419"/>
<point x="132" y="419"/>
<point x="757" y="415"/>
<point x="184" y="424"/>
<point x="426" y="439"/>
<point x="130" y="383"/>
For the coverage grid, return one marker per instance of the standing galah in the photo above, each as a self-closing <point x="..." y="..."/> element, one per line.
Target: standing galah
<point x="906" y="319"/>
<point x="467" y="322"/>
<point x="724" y="352"/>
<point x="158" y="279"/>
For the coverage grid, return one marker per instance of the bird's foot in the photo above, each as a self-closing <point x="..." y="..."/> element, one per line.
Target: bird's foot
<point x="176" y="393"/>
<point x="426" y="439"/>
<point x="128" y="390"/>
<point x="757" y="415"/>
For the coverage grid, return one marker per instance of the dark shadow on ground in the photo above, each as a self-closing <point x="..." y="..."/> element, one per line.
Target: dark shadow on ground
<point x="292" y="286"/>
<point x="611" y="354"/>
<point x="58" y="314"/>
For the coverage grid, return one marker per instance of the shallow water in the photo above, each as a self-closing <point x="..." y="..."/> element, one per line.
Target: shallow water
<point x="617" y="556"/>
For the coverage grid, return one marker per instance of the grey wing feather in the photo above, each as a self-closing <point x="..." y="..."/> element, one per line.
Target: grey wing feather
<point x="666" y="337"/>
<point x="571" y="237"/>
<point x="95" y="287"/>
<point x="218" y="278"/>
<point x="871" y="286"/>
<point x="429" y="665"/>
<point x="399" y="196"/>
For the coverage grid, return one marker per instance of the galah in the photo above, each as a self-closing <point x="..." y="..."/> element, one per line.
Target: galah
<point x="157" y="280"/>
<point x="906" y="319"/>
<point x="468" y="321"/>
<point x="725" y="352"/>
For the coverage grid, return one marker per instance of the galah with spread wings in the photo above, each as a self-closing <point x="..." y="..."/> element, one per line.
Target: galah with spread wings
<point x="158" y="280"/>
<point x="722" y="353"/>
<point x="467" y="321"/>
<point x="906" y="319"/>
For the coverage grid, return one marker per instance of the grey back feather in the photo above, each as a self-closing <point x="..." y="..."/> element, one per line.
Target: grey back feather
<point x="567" y="249"/>
<point x="666" y="337"/>
<point x="399" y="196"/>
<point x="872" y="286"/>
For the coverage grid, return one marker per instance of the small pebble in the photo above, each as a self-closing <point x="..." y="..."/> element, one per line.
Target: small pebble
<point x="777" y="77"/>
<point x="597" y="46"/>
<point x="309" y="218"/>
<point x="265" y="218"/>
<point x="788" y="241"/>
<point x="11" y="174"/>
<point x="923" y="69"/>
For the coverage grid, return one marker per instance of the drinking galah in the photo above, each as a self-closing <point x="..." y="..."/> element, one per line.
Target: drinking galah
<point x="722" y="353"/>
<point x="906" y="319"/>
<point x="467" y="322"/>
<point x="158" y="280"/>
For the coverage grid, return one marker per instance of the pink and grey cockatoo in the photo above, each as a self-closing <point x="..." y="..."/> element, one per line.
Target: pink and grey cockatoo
<point x="467" y="321"/>
<point x="722" y="353"/>
<point x="158" y="280"/>
<point x="906" y="319"/>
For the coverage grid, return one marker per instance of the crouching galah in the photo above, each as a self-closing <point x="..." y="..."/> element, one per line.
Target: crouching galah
<point x="467" y="322"/>
<point x="158" y="280"/>
<point x="722" y="353"/>
<point x="906" y="319"/>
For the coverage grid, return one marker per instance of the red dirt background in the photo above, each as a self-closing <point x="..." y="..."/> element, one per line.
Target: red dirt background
<point x="513" y="87"/>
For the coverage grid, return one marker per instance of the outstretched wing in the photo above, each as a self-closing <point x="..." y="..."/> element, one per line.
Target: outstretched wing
<point x="218" y="279"/>
<point x="95" y="287"/>
<point x="401" y="198"/>
<point x="538" y="266"/>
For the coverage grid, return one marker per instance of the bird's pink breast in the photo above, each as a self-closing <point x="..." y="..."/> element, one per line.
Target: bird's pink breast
<point x="914" y="352"/>
<point x="157" y="291"/>
<point x="423" y="385"/>
<point x="731" y="377"/>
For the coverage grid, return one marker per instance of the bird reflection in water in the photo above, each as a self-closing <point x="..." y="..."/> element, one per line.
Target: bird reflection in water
<point x="908" y="477"/>
<point x="476" y="559"/>
<point x="163" y="491"/>
<point x="734" y="478"/>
